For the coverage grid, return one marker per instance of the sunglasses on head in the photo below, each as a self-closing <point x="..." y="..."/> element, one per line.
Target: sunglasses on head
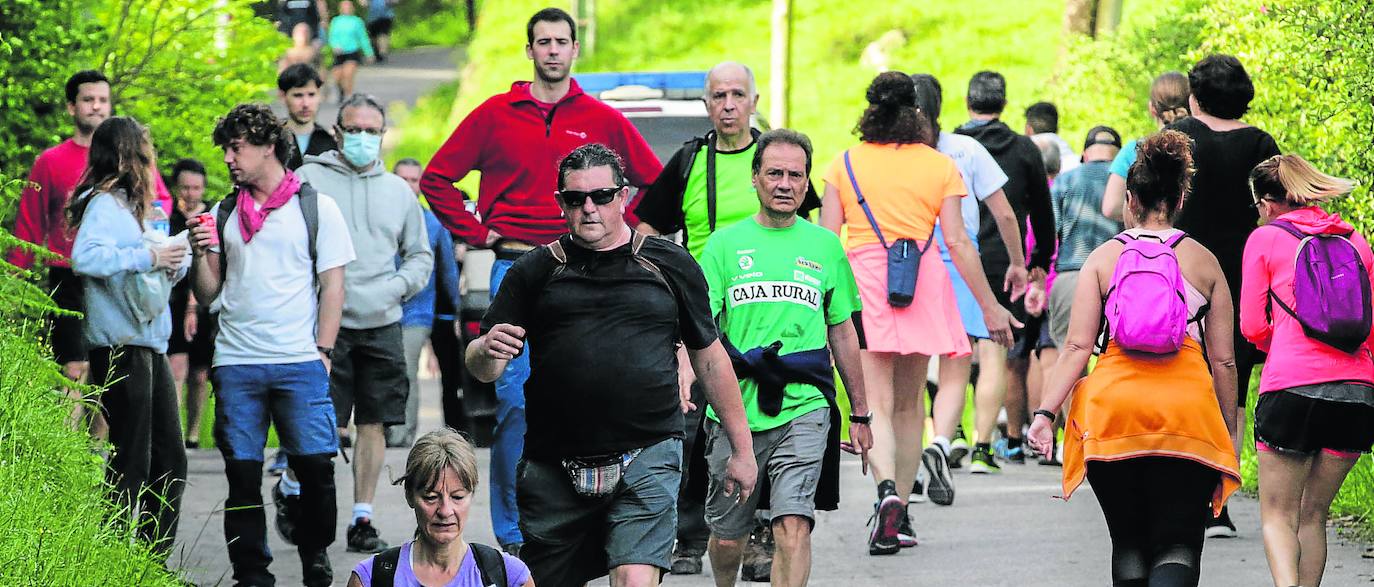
<point x="601" y="197"/>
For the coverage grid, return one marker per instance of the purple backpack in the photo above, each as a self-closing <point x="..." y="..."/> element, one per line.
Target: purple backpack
<point x="1146" y="309"/>
<point x="1330" y="288"/>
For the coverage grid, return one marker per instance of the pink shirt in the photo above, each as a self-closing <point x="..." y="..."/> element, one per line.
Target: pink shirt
<point x="1294" y="359"/>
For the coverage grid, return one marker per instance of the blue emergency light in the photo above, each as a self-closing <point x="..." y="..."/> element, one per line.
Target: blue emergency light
<point x="675" y="85"/>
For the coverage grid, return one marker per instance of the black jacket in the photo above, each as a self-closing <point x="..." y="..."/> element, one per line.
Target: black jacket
<point x="661" y="203"/>
<point x="1026" y="189"/>
<point x="321" y="142"/>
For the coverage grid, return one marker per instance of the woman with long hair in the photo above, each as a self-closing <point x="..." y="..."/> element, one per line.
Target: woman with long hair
<point x="888" y="191"/>
<point x="1146" y="427"/>
<point x="1315" y="412"/>
<point x="111" y="212"/>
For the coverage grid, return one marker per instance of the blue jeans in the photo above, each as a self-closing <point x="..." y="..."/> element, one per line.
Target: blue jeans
<point x="510" y="434"/>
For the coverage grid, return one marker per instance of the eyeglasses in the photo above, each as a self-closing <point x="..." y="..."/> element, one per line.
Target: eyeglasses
<point x="601" y="197"/>
<point x="355" y="130"/>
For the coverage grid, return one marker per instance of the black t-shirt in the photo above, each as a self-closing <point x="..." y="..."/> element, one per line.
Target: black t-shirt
<point x="293" y="12"/>
<point x="602" y="333"/>
<point x="1218" y="211"/>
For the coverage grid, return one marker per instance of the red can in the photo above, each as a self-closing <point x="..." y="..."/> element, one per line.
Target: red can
<point x="207" y="219"/>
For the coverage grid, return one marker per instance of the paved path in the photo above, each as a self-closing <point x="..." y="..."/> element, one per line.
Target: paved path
<point x="1002" y="530"/>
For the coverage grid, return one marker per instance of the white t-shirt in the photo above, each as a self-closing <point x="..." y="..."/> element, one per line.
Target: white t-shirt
<point x="981" y="174"/>
<point x="268" y="306"/>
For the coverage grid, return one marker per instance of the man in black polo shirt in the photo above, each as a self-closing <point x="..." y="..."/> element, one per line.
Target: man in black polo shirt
<point x="604" y="309"/>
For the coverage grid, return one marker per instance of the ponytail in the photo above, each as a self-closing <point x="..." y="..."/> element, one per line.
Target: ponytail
<point x="1169" y="96"/>
<point x="1162" y="172"/>
<point x="1294" y="181"/>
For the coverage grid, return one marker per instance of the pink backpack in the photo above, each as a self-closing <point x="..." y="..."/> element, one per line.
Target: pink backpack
<point x="1146" y="308"/>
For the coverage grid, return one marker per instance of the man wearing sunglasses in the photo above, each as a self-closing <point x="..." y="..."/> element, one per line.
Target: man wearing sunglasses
<point x="603" y="310"/>
<point x="368" y="382"/>
<point x="515" y="140"/>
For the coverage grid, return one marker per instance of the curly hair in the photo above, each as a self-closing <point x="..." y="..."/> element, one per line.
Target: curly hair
<point x="255" y="124"/>
<point x="1162" y="172"/>
<point x="1221" y="86"/>
<point x="892" y="116"/>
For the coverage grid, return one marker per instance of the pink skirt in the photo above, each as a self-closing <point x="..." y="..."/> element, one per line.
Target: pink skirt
<point x="929" y="326"/>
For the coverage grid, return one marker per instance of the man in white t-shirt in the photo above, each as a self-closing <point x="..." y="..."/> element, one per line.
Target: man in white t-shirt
<point x="258" y="266"/>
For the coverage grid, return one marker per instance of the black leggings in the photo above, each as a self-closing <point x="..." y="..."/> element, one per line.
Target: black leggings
<point x="1157" y="509"/>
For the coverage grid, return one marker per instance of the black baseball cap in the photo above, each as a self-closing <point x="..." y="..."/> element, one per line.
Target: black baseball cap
<point x="1092" y="139"/>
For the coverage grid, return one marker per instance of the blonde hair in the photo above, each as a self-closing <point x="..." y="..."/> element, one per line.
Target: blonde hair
<point x="432" y="454"/>
<point x="1291" y="179"/>
<point x="1169" y="96"/>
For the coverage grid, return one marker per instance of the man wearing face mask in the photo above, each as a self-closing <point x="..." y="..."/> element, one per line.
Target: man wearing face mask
<point x="368" y="381"/>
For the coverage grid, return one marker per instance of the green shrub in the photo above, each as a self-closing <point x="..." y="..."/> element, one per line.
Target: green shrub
<point x="58" y="529"/>
<point x="423" y="23"/>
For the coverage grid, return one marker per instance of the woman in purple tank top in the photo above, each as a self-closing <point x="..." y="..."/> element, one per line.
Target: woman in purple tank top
<point x="440" y="479"/>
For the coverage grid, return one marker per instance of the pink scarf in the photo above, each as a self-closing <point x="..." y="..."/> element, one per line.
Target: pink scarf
<point x="251" y="217"/>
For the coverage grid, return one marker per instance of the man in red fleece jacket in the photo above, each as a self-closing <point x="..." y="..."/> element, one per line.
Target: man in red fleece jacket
<point x="516" y="140"/>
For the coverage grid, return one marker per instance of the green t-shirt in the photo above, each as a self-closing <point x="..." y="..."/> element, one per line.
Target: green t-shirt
<point x="735" y="195"/>
<point x="778" y="284"/>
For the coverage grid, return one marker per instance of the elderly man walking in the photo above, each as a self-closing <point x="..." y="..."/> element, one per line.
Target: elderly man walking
<point x="608" y="314"/>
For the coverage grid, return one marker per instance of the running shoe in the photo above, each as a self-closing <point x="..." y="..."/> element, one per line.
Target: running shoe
<point x="363" y="537"/>
<point x="278" y="464"/>
<point x="315" y="568"/>
<point x="1221" y="526"/>
<point x="906" y="535"/>
<point x="887" y="521"/>
<point x="757" y="564"/>
<point x="685" y="563"/>
<point x="918" y="491"/>
<point x="941" y="486"/>
<point x="288" y="511"/>
<point x="1016" y="456"/>
<point x="958" y="449"/>
<point x="982" y="462"/>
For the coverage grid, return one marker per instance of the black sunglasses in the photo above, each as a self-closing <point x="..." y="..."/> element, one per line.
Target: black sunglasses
<point x="601" y="197"/>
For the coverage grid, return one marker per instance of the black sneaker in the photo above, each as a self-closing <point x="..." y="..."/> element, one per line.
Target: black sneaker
<point x="958" y="449"/>
<point x="1221" y="526"/>
<point x="288" y="511"/>
<point x="362" y="537"/>
<point x="940" y="488"/>
<point x="918" y="491"/>
<point x="315" y="568"/>
<point x="757" y="564"/>
<point x="887" y="521"/>
<point x="982" y="462"/>
<point x="685" y="561"/>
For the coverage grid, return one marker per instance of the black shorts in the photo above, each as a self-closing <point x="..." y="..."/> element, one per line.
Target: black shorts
<point x="200" y="350"/>
<point x="1027" y="339"/>
<point x="1287" y="421"/>
<point x="368" y="380"/>
<point x="342" y="58"/>
<point x="65" y="332"/>
<point x="381" y="26"/>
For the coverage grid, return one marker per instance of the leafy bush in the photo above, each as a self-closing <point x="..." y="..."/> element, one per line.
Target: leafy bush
<point x="422" y="23"/>
<point x="1312" y="62"/>
<point x="58" y="530"/>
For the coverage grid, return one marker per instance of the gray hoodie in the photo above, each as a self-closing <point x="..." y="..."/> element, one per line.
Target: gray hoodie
<point x="385" y="221"/>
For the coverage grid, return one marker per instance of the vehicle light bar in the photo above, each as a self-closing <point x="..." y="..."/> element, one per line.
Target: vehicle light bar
<point x="675" y="85"/>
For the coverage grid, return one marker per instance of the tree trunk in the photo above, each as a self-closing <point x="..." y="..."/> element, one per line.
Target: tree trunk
<point x="1079" y="16"/>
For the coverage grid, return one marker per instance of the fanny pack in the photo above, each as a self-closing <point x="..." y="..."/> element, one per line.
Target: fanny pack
<point x="903" y="257"/>
<point x="598" y="476"/>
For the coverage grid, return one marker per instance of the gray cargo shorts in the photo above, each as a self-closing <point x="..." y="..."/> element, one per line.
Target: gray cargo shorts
<point x="790" y="455"/>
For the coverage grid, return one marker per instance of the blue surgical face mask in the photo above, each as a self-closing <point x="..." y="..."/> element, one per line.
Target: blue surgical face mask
<point x="361" y="148"/>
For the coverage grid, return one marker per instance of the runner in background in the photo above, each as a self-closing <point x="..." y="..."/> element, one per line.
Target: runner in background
<point x="1219" y="210"/>
<point x="906" y="186"/>
<point x="1315" y="412"/>
<point x="349" y="41"/>
<point x="381" y="15"/>
<point x="984" y="180"/>
<point x="191" y="347"/>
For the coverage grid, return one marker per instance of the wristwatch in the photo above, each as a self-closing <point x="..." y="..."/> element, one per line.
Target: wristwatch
<point x="857" y="419"/>
<point x="327" y="351"/>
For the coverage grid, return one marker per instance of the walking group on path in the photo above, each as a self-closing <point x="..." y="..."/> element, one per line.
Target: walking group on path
<point x="662" y="401"/>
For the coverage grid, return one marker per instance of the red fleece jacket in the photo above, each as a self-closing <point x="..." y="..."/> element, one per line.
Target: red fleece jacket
<point x="516" y="144"/>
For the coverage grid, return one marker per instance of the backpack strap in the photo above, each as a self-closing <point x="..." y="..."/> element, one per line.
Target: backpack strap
<point x="490" y="564"/>
<point x="1173" y="241"/>
<point x="637" y="240"/>
<point x="1289" y="228"/>
<point x="226" y="208"/>
<point x="384" y="567"/>
<point x="711" y="181"/>
<point x="862" y="202"/>
<point x="310" y="209"/>
<point x="556" y="249"/>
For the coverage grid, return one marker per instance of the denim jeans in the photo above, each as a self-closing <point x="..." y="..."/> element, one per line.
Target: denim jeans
<point x="296" y="395"/>
<point x="510" y="433"/>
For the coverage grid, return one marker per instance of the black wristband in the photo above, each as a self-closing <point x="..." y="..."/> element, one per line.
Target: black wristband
<point x="327" y="351"/>
<point x="856" y="419"/>
<point x="1046" y="413"/>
